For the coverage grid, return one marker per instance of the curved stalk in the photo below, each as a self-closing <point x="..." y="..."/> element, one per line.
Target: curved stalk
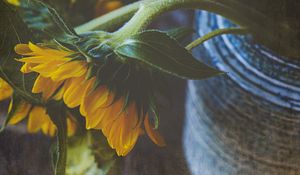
<point x="201" y="40"/>
<point x="110" y="21"/>
<point x="255" y="21"/>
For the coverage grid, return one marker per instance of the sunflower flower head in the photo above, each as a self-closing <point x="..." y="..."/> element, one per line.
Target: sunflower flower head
<point x="54" y="67"/>
<point x="38" y="119"/>
<point x="114" y="95"/>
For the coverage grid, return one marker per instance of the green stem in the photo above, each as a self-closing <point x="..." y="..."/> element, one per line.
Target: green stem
<point x="230" y="9"/>
<point x="62" y="148"/>
<point x="57" y="113"/>
<point x="110" y="21"/>
<point x="201" y="40"/>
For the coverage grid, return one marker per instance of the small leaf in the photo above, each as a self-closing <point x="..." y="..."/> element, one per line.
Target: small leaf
<point x="180" y="32"/>
<point x="160" y="51"/>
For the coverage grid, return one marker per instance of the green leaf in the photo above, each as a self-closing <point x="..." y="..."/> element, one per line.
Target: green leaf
<point x="57" y="113"/>
<point x="160" y="51"/>
<point x="44" y="19"/>
<point x="16" y="102"/>
<point x="180" y="32"/>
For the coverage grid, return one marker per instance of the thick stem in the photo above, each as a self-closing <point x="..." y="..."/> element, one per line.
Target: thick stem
<point x="230" y="9"/>
<point x="111" y="20"/>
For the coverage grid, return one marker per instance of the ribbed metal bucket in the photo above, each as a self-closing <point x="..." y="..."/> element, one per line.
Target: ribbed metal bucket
<point x="247" y="122"/>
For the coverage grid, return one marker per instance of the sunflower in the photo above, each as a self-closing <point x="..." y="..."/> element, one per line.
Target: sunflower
<point x="108" y="101"/>
<point x="38" y="119"/>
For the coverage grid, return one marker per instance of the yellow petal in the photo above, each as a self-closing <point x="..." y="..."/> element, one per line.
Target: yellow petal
<point x="130" y="124"/>
<point x="71" y="127"/>
<point x="26" y="68"/>
<point x="5" y="90"/>
<point x="35" y="48"/>
<point x="37" y="118"/>
<point x="74" y="91"/>
<point x="96" y="99"/>
<point x="23" y="49"/>
<point x="86" y="91"/>
<point x="39" y="84"/>
<point x="60" y="93"/>
<point x="20" y="113"/>
<point x="14" y="2"/>
<point x="47" y="69"/>
<point x="69" y="70"/>
<point x="153" y="134"/>
<point x="114" y="135"/>
<point x="38" y="50"/>
<point x="132" y="141"/>
<point x="45" y="86"/>
<point x="52" y="130"/>
<point x="108" y="119"/>
<point x="93" y="120"/>
<point x="48" y="128"/>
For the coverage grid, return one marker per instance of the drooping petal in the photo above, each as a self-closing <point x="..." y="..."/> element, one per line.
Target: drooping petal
<point x="23" y="49"/>
<point x="26" y="68"/>
<point x="69" y="70"/>
<point x="86" y="91"/>
<point x="39" y="50"/>
<point x="47" y="69"/>
<point x="95" y="117"/>
<point x="37" y="118"/>
<point x="71" y="127"/>
<point x="114" y="112"/>
<point x="59" y="95"/>
<point x="20" y="113"/>
<point x="74" y="91"/>
<point x="96" y="99"/>
<point x="45" y="86"/>
<point x="5" y="90"/>
<point x="36" y="59"/>
<point x="153" y="134"/>
<point x="131" y="124"/>
<point x="48" y="127"/>
<point x="132" y="141"/>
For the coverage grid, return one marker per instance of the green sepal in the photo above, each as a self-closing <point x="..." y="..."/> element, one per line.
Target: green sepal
<point x="100" y="52"/>
<point x="162" y="52"/>
<point x="16" y="101"/>
<point x="180" y="32"/>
